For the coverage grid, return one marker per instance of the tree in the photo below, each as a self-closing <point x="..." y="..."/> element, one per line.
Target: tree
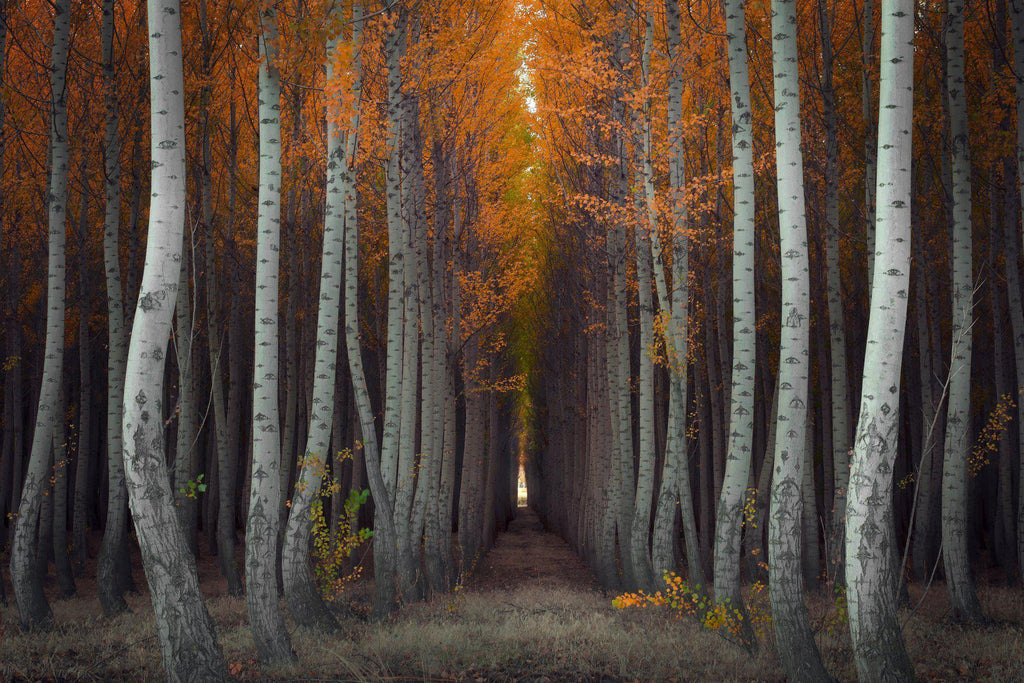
<point x="954" y="474"/>
<point x="28" y="586"/>
<point x="800" y="656"/>
<point x="878" y="643"/>
<point x="744" y="361"/>
<point x="261" y="531"/>
<point x="188" y="643"/>
<point x="109" y="584"/>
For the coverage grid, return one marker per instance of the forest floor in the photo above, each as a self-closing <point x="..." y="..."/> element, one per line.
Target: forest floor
<point x="531" y="612"/>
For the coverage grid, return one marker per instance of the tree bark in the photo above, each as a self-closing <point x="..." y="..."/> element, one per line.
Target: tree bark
<point x="273" y="645"/>
<point x="799" y="654"/>
<point x="28" y="587"/>
<point x="188" y="644"/>
<point x="954" y="475"/>
<point x="878" y="644"/>
<point x="729" y="520"/>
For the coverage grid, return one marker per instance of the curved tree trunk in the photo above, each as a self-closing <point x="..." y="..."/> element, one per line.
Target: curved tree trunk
<point x="188" y="644"/>
<point x="799" y="654"/>
<point x="28" y="587"/>
<point x="304" y="601"/>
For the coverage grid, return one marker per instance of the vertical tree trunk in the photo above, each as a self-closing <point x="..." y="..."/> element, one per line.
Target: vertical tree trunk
<point x="185" y="458"/>
<point x="954" y="475"/>
<point x="1013" y="285"/>
<point x="28" y="588"/>
<point x="227" y="462"/>
<point x="840" y="385"/>
<point x="83" y="454"/>
<point x="109" y="584"/>
<point x="867" y="55"/>
<point x="59" y="537"/>
<point x="744" y="360"/>
<point x="878" y="644"/>
<point x="188" y="644"/>
<point x="923" y="555"/>
<point x="799" y="654"/>
<point x="273" y="645"/>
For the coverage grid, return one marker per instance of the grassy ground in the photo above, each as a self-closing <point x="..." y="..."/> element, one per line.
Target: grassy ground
<point x="530" y="613"/>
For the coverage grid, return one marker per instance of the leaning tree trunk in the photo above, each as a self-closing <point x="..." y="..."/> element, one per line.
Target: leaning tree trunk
<point x="384" y="529"/>
<point x="304" y="601"/>
<point x="188" y="643"/>
<point x="954" y="474"/>
<point x="878" y="644"/>
<point x="799" y="654"/>
<point x="28" y="587"/>
<point x="261" y="532"/>
<point x="744" y="360"/>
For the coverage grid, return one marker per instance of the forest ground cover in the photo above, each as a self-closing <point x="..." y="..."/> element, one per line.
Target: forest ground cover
<point x="531" y="611"/>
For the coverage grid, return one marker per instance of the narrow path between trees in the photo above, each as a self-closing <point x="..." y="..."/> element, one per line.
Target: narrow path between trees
<point x="525" y="556"/>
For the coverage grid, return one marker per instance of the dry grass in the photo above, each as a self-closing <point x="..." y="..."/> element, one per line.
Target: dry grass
<point x="530" y="613"/>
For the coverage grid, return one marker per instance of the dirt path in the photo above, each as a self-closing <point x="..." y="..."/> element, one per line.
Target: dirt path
<point x="525" y="556"/>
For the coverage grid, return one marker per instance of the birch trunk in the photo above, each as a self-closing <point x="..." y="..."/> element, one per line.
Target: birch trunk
<point x="109" y="585"/>
<point x="641" y="517"/>
<point x="867" y="54"/>
<point x="304" y="601"/>
<point x="954" y="475"/>
<point x="188" y="644"/>
<point x="394" y="46"/>
<point x="28" y="587"/>
<point x="744" y="360"/>
<point x="83" y="455"/>
<point x="59" y="536"/>
<point x="227" y="462"/>
<point x="799" y="654"/>
<point x="839" y="385"/>
<point x="384" y="531"/>
<point x="185" y="461"/>
<point x="273" y="645"/>
<point x="878" y="644"/>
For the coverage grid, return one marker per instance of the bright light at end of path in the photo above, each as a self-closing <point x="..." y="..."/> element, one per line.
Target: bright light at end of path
<point x="521" y="502"/>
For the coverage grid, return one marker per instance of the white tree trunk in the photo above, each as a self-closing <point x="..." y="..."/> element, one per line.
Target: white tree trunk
<point x="273" y="645"/>
<point x="799" y="654"/>
<point x="729" y="520"/>
<point x="188" y="643"/>
<point x="384" y="528"/>
<point x="304" y="601"/>
<point x="28" y="587"/>
<point x="878" y="644"/>
<point x="954" y="474"/>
